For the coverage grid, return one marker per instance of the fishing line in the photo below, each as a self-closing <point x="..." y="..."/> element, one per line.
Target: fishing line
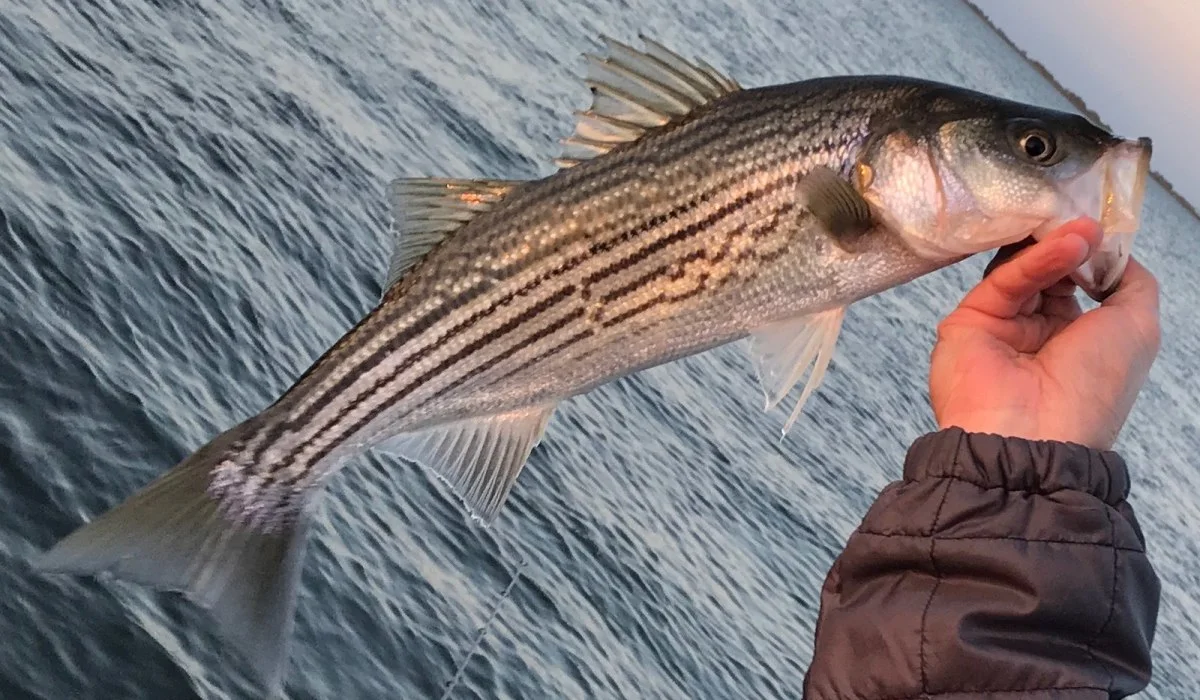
<point x="462" y="666"/>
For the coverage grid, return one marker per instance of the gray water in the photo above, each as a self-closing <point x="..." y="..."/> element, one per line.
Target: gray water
<point x="192" y="208"/>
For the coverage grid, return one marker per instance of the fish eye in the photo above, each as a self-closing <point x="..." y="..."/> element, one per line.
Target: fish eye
<point x="1037" y="145"/>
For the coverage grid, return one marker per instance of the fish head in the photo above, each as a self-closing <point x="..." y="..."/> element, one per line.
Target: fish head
<point x="973" y="175"/>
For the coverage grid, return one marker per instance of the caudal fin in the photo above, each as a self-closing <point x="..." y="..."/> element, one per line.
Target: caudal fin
<point x="170" y="536"/>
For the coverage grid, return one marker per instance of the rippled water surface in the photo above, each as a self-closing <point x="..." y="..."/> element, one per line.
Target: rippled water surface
<point x="192" y="208"/>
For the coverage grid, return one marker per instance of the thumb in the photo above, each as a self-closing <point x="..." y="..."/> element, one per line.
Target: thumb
<point x="1006" y="253"/>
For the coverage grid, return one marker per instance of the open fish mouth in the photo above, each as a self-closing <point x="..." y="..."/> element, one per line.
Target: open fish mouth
<point x="1116" y="202"/>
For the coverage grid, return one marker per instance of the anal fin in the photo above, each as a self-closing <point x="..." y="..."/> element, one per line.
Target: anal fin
<point x="783" y="351"/>
<point x="479" y="458"/>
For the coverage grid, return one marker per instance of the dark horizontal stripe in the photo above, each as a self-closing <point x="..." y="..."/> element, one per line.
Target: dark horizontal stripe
<point x="328" y="362"/>
<point x="702" y="283"/>
<point x="449" y="362"/>
<point x="454" y="359"/>
<point x="514" y="348"/>
<point x="688" y="231"/>
<point x="638" y="282"/>
<point x="545" y="355"/>
<point x="754" y="262"/>
<point x="676" y="269"/>
<point x="692" y="229"/>
<point x="425" y="323"/>
<point x="757" y="232"/>
<point x="660" y="299"/>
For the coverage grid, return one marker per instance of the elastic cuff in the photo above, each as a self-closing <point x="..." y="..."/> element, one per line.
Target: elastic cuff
<point x="1016" y="464"/>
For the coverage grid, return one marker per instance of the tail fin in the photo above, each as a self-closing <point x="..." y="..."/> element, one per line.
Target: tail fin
<point x="170" y="536"/>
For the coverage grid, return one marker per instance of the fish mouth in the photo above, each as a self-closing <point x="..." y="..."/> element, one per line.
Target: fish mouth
<point x="1112" y="193"/>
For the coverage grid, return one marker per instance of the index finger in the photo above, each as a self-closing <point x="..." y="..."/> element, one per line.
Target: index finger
<point x="1005" y="290"/>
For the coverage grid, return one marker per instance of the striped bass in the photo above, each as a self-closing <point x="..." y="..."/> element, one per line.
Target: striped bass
<point x="687" y="212"/>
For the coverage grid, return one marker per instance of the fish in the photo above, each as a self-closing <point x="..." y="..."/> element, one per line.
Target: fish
<point x="685" y="212"/>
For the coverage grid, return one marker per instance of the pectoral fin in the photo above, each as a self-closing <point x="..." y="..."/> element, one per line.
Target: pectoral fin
<point x="783" y="351"/>
<point x="836" y="204"/>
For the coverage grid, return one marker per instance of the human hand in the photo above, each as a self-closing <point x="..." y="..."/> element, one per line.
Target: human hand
<point x="1019" y="358"/>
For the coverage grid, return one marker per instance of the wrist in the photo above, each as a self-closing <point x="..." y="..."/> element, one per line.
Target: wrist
<point x="1025" y="426"/>
<point x="1002" y="421"/>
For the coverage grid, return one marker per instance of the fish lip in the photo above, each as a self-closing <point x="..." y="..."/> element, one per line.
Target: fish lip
<point x="1123" y="188"/>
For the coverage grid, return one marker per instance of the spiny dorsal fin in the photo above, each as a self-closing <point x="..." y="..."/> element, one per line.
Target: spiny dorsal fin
<point x="426" y="210"/>
<point x="633" y="92"/>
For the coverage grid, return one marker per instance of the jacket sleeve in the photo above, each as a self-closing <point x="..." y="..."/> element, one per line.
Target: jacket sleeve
<point x="998" y="568"/>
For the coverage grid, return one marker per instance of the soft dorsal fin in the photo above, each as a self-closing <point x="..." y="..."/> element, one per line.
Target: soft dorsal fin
<point x="427" y="210"/>
<point x="634" y="91"/>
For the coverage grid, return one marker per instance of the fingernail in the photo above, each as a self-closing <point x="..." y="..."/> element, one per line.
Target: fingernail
<point x="1090" y="225"/>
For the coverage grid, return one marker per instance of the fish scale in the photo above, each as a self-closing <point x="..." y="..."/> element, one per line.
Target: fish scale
<point x="687" y="212"/>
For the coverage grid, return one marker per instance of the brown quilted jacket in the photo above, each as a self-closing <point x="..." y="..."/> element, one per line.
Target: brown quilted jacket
<point x="998" y="568"/>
